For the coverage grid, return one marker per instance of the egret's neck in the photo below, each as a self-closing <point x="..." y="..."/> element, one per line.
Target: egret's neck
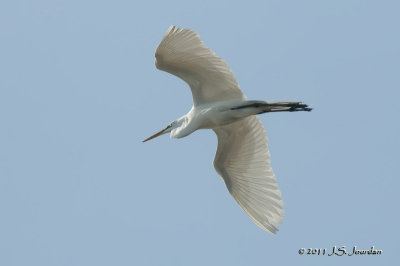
<point x="182" y="128"/>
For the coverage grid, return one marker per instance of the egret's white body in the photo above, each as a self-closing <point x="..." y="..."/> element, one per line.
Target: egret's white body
<point x="242" y="158"/>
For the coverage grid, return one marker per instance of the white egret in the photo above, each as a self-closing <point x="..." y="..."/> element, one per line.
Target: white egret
<point x="242" y="158"/>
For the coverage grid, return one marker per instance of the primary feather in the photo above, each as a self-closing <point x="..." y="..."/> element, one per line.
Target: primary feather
<point x="243" y="161"/>
<point x="182" y="53"/>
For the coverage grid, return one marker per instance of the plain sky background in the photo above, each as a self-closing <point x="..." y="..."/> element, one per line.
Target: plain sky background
<point x="79" y="92"/>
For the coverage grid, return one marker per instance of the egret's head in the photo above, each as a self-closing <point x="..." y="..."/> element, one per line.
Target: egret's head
<point x="168" y="129"/>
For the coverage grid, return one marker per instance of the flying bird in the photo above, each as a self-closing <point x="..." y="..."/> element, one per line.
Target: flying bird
<point x="242" y="158"/>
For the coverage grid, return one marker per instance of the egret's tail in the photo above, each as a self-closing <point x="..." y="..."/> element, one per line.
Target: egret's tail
<point x="260" y="107"/>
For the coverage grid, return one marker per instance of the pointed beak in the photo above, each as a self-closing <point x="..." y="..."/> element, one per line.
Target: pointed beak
<point x="155" y="135"/>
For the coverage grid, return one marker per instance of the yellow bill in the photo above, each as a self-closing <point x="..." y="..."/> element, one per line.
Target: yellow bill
<point x="155" y="135"/>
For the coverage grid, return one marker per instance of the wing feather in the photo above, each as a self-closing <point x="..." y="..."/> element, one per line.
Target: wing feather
<point x="243" y="161"/>
<point x="182" y="53"/>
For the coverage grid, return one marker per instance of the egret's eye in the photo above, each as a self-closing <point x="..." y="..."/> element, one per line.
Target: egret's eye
<point x="170" y="125"/>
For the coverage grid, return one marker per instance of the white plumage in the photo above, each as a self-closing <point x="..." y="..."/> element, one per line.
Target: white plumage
<point x="242" y="158"/>
<point x="183" y="54"/>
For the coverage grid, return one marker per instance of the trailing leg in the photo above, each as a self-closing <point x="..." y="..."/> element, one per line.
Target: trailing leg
<point x="260" y="107"/>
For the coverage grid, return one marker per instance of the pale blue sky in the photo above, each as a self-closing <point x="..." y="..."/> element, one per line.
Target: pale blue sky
<point x="79" y="92"/>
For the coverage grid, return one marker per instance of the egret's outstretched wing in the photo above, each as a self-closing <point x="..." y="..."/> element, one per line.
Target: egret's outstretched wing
<point x="182" y="53"/>
<point x="243" y="161"/>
